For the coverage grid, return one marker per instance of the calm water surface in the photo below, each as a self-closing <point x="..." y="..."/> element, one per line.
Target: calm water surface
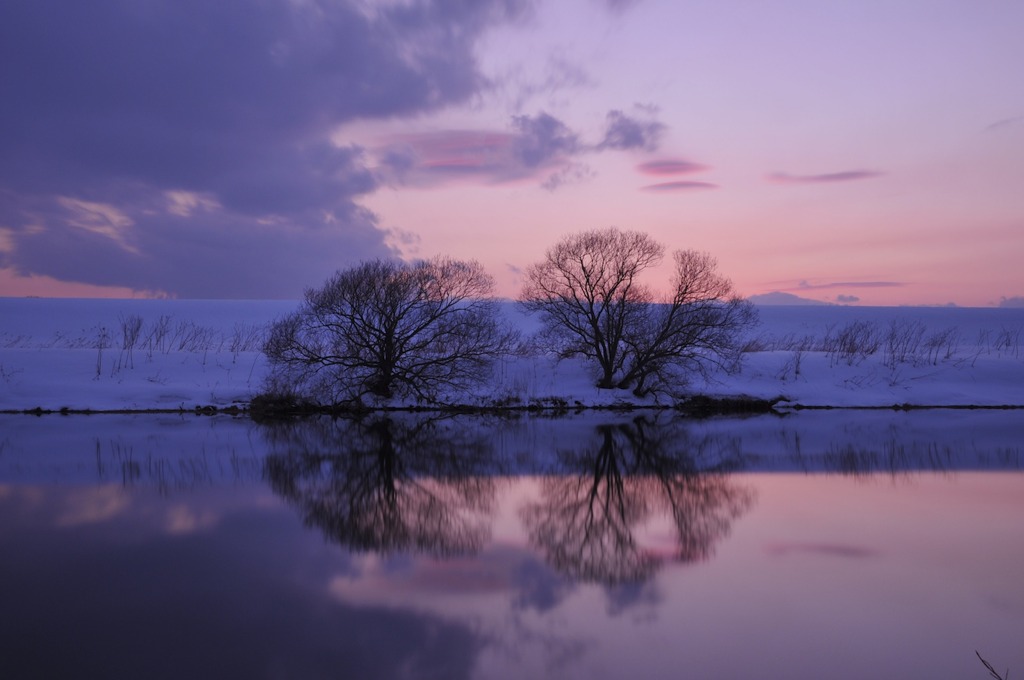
<point x="834" y="544"/>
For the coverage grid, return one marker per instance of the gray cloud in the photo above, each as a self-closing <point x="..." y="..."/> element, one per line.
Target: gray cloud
<point x="1017" y="301"/>
<point x="568" y="174"/>
<point x="1005" y="123"/>
<point x="208" y="254"/>
<point x="540" y="146"/>
<point x="116" y="103"/>
<point x="541" y="139"/>
<point x="625" y="132"/>
<point x="618" y="6"/>
<point x="827" y="178"/>
<point x="847" y="299"/>
<point x="560" y="75"/>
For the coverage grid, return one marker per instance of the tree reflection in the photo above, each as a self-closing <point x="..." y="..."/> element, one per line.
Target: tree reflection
<point x="585" y="523"/>
<point x="395" y="484"/>
<point x="387" y="485"/>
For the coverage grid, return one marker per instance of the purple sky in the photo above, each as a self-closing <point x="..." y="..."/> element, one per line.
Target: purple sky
<point x="862" y="152"/>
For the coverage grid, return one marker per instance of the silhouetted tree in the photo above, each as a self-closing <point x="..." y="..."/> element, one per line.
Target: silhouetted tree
<point x="591" y="303"/>
<point x="387" y="328"/>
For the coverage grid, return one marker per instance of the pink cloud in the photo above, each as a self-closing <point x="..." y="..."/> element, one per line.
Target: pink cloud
<point x="539" y="145"/>
<point x="670" y="166"/>
<point x="456" y="142"/>
<point x="826" y="178"/>
<point x="14" y="284"/>
<point x="674" y="187"/>
<point x="463" y="149"/>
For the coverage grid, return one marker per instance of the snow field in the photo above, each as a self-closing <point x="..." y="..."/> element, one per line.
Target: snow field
<point x="180" y="354"/>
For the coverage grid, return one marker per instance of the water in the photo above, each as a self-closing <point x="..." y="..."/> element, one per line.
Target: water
<point x="833" y="544"/>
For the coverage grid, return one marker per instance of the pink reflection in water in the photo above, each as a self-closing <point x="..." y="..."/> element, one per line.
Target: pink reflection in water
<point x="820" y="576"/>
<point x="826" y="576"/>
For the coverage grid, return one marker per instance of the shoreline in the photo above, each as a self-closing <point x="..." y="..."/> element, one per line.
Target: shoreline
<point x="706" y="407"/>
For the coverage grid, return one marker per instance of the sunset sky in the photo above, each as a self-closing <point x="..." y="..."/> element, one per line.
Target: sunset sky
<point x="867" y="152"/>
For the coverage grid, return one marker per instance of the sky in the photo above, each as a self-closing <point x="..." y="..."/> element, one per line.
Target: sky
<point x="861" y="152"/>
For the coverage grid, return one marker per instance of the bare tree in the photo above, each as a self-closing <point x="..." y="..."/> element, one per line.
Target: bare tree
<point x="587" y="294"/>
<point x="591" y="303"/>
<point x="699" y="327"/>
<point x="387" y="328"/>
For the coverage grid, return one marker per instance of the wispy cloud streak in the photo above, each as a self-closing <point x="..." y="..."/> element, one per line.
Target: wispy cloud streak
<point x="1005" y="123"/>
<point x="670" y="166"/>
<point x="676" y="187"/>
<point x="807" y="285"/>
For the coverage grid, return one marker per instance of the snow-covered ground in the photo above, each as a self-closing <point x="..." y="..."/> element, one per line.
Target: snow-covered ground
<point x="71" y="354"/>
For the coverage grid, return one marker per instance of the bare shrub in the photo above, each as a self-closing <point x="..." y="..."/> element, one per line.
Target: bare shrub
<point x="791" y="342"/>
<point x="903" y="343"/>
<point x="792" y="366"/>
<point x="157" y="340"/>
<point x="10" y="341"/>
<point x="1007" y="341"/>
<point x="852" y="343"/>
<point x="759" y="343"/>
<point x="131" y="329"/>
<point x="102" y="343"/>
<point x="942" y="345"/>
<point x="189" y="336"/>
<point x="6" y="373"/>
<point x="246" y="337"/>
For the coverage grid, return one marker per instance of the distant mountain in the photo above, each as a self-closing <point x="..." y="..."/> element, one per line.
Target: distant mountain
<point x="779" y="298"/>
